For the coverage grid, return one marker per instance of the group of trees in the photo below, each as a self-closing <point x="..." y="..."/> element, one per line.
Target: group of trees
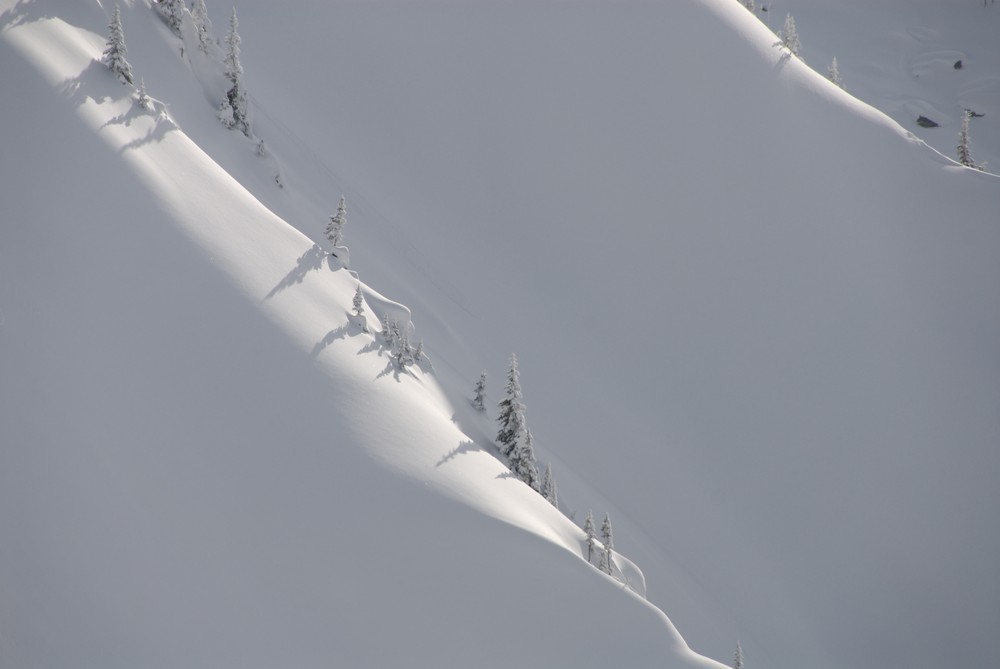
<point x="516" y="445"/>
<point x="234" y="109"/>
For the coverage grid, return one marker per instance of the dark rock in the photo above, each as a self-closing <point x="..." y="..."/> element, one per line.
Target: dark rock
<point x="925" y="122"/>
<point x="958" y="65"/>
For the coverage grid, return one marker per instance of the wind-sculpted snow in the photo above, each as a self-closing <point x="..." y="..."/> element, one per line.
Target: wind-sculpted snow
<point x="754" y="317"/>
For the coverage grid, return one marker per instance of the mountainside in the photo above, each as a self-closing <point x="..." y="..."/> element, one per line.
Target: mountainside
<point x="755" y="318"/>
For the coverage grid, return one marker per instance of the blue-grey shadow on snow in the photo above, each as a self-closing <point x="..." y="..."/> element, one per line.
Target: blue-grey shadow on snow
<point x="463" y="447"/>
<point x="309" y="261"/>
<point x="331" y="336"/>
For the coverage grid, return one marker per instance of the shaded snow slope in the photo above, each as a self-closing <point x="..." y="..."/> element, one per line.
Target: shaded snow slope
<point x="755" y="318"/>
<point x="900" y="56"/>
<point x="204" y="462"/>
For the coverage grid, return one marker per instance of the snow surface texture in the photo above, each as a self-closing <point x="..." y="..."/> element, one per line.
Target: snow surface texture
<point x="782" y="379"/>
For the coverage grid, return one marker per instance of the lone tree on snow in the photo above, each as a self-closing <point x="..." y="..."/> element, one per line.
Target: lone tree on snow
<point x="234" y="111"/>
<point x="202" y="25"/>
<point x="833" y="73"/>
<point x="335" y="228"/>
<point x="609" y="544"/>
<point x="142" y="99"/>
<point x="512" y="426"/>
<point x="591" y="532"/>
<point x="738" y="657"/>
<point x="114" y="54"/>
<point x="479" y="401"/>
<point x="173" y="13"/>
<point x="789" y="36"/>
<point x="964" y="157"/>
<point x="359" y="307"/>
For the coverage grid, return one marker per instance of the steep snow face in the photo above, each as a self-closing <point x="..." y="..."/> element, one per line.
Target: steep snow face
<point x="911" y="59"/>
<point x="755" y="313"/>
<point x="756" y="320"/>
<point x="204" y="461"/>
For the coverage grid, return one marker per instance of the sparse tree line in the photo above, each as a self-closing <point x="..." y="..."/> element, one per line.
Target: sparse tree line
<point x="234" y="105"/>
<point x="516" y="446"/>
<point x="788" y="38"/>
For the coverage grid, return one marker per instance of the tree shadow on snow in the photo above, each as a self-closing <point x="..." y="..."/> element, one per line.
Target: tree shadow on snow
<point x="309" y="261"/>
<point x="463" y="447"/>
<point x="331" y="336"/>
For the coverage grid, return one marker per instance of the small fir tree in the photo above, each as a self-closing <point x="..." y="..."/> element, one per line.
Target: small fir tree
<point x="335" y="228"/>
<point x="738" y="657"/>
<point x="418" y="351"/>
<point x="359" y="302"/>
<point x="479" y="401"/>
<point x="142" y="99"/>
<point x="549" y="486"/>
<point x="202" y="26"/>
<point x="833" y="74"/>
<point x="387" y="337"/>
<point x="511" y="419"/>
<point x="591" y="532"/>
<point x="790" y="37"/>
<point x="173" y="13"/>
<point x="114" y="54"/>
<point x="606" y="535"/>
<point x="964" y="156"/>
<point x="236" y="96"/>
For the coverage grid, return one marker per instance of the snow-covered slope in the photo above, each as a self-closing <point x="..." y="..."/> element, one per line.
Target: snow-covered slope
<point x="912" y="58"/>
<point x="756" y="321"/>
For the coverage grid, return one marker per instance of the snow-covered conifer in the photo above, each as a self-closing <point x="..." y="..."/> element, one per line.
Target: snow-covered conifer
<point x="359" y="302"/>
<point x="236" y="96"/>
<point x="738" y="657"/>
<point x="404" y="354"/>
<point x="114" y="54"/>
<point x="335" y="228"/>
<point x="790" y="36"/>
<point x="261" y="149"/>
<point x="549" y="486"/>
<point x="418" y="351"/>
<point x="606" y="535"/>
<point x="202" y="25"/>
<point x="225" y="114"/>
<point x="964" y="156"/>
<point x="387" y="337"/>
<point x="479" y="401"/>
<point x="511" y="418"/>
<point x="173" y="13"/>
<point x="833" y="73"/>
<point x="607" y="562"/>
<point x="522" y="461"/>
<point x="591" y="532"/>
<point x="749" y="5"/>
<point x="142" y="99"/>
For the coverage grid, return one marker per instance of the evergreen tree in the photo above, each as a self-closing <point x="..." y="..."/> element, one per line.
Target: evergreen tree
<point x="511" y="418"/>
<point x="591" y="532"/>
<point x="479" y="401"/>
<point x="522" y="461"/>
<point x="359" y="306"/>
<point x="789" y="36"/>
<point x="833" y="74"/>
<point x="964" y="156"/>
<point x="404" y="354"/>
<point x="418" y="351"/>
<point x="236" y="96"/>
<point x="738" y="657"/>
<point x="173" y="13"/>
<point x="549" y="486"/>
<point x="606" y="536"/>
<point x="387" y="337"/>
<point x="607" y="562"/>
<point x="335" y="228"/>
<point x="202" y="25"/>
<point x="142" y="99"/>
<point x="114" y="54"/>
